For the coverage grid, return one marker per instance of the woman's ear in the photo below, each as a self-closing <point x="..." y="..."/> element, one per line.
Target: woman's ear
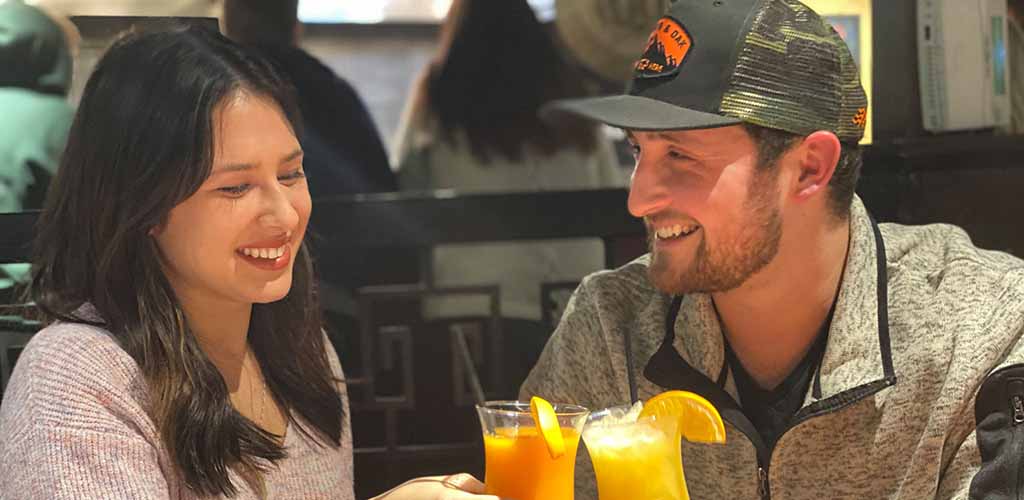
<point x="817" y="157"/>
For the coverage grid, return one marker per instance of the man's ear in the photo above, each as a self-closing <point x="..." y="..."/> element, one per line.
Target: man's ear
<point x="816" y="159"/>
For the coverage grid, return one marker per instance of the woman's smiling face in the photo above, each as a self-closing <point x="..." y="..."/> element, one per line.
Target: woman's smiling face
<point x="235" y="239"/>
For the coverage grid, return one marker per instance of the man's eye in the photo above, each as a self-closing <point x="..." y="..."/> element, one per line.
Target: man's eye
<point x="235" y="190"/>
<point x="676" y="155"/>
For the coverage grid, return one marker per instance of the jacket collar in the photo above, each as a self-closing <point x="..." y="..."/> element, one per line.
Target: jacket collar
<point x="857" y="358"/>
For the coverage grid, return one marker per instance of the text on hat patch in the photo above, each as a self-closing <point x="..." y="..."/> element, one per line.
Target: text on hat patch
<point x="666" y="50"/>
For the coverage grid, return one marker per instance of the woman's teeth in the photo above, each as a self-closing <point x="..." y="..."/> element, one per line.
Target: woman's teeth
<point x="264" y="253"/>
<point x="675" y="231"/>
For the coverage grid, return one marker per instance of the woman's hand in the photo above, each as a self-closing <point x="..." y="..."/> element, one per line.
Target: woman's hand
<point x="453" y="487"/>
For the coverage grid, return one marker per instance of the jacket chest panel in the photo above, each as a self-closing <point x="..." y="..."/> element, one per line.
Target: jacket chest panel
<point x="870" y="449"/>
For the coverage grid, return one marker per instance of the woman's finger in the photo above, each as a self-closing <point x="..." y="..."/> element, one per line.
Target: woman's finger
<point x="462" y="495"/>
<point x="464" y="482"/>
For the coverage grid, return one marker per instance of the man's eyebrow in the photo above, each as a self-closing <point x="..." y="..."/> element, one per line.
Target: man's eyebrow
<point x="661" y="134"/>
<point x="673" y="139"/>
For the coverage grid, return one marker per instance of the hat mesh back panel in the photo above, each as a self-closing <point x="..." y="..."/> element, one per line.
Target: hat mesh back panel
<point x="795" y="73"/>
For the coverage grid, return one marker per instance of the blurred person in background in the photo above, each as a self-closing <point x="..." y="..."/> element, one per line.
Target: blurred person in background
<point x="36" y="56"/>
<point x="471" y="124"/>
<point x="603" y="36"/>
<point x="344" y="152"/>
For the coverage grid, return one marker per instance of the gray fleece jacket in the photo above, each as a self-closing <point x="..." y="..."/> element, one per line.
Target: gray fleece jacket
<point x="919" y="395"/>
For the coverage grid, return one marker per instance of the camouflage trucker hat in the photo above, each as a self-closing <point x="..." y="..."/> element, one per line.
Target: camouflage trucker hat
<point x="712" y="63"/>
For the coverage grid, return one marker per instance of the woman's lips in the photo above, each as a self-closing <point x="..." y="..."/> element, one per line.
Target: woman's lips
<point x="268" y="259"/>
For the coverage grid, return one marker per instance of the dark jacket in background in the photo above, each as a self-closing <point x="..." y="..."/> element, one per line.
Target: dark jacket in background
<point x="343" y="151"/>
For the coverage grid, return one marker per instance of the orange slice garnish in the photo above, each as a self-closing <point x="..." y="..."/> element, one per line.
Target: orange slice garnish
<point x="698" y="420"/>
<point x="547" y="423"/>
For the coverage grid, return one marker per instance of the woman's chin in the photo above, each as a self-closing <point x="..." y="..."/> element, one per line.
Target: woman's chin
<point x="272" y="293"/>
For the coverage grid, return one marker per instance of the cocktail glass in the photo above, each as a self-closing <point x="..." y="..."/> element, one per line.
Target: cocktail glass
<point x="518" y="462"/>
<point x="635" y="459"/>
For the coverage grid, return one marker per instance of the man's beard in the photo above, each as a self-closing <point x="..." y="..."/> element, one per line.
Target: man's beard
<point x="729" y="263"/>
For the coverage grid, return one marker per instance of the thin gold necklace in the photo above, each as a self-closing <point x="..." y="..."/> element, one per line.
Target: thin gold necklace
<point x="258" y="413"/>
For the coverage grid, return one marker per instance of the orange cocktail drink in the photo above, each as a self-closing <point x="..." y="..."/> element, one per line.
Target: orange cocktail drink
<point x="519" y="460"/>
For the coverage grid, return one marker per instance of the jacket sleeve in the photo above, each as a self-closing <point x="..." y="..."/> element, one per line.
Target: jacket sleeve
<point x="576" y="366"/>
<point x="955" y="482"/>
<point x="989" y="464"/>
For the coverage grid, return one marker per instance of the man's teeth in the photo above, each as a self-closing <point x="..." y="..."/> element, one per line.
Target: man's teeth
<point x="675" y="231"/>
<point x="264" y="253"/>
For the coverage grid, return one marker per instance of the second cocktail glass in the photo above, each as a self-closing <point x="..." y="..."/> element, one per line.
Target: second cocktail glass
<point x="635" y="459"/>
<point x="518" y="461"/>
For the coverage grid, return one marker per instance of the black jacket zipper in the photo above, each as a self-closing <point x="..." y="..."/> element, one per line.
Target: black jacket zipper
<point x="763" y="489"/>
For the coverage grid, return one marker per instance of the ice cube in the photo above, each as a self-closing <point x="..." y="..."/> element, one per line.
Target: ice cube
<point x="634" y="412"/>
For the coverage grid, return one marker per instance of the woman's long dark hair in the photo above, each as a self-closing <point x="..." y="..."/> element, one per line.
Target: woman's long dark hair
<point x="498" y="65"/>
<point x="141" y="143"/>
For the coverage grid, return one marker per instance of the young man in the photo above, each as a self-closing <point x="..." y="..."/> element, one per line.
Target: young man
<point x="848" y="359"/>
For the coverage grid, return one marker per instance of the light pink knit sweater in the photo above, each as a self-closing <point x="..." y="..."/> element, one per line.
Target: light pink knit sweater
<point x="72" y="426"/>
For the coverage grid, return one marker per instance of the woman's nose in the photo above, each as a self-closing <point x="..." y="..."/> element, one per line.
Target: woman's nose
<point x="280" y="212"/>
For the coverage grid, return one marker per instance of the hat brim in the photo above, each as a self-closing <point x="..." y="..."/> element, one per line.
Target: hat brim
<point x="638" y="113"/>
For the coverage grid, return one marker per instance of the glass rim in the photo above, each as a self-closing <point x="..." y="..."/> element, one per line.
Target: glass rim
<point x="523" y="408"/>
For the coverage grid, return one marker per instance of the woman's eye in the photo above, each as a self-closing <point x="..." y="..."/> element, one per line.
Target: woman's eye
<point x="235" y="190"/>
<point x="292" y="177"/>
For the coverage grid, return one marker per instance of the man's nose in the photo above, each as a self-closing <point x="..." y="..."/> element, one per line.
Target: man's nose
<point x="648" y="193"/>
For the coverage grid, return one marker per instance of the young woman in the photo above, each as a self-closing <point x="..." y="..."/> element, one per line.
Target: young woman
<point x="184" y="357"/>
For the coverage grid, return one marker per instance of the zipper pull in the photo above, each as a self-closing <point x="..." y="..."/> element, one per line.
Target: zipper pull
<point x="1017" y="405"/>
<point x="762" y="484"/>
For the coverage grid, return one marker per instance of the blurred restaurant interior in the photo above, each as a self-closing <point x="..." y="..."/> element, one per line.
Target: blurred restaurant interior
<point x="420" y="343"/>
